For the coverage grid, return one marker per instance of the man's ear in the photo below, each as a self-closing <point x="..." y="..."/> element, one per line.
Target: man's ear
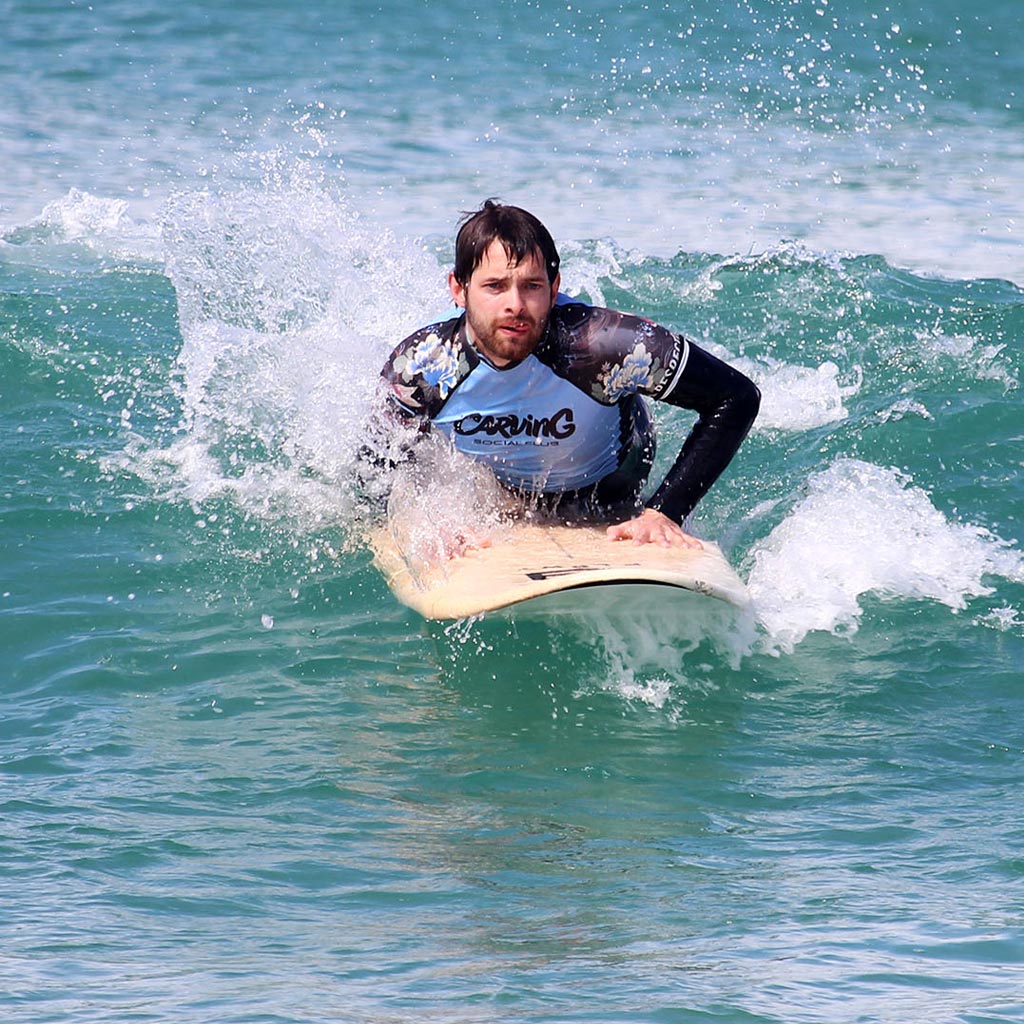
<point x="555" y="285"/>
<point x="457" y="291"/>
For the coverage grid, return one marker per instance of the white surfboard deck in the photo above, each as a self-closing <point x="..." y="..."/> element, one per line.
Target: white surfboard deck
<point x="531" y="560"/>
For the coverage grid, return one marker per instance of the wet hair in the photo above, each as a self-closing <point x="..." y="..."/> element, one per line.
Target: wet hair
<point x="519" y="232"/>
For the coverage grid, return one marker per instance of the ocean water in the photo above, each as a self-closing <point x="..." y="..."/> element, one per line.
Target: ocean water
<point x="239" y="783"/>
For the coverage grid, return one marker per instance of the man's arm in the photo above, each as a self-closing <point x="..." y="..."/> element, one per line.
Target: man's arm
<point x="413" y="385"/>
<point x="727" y="402"/>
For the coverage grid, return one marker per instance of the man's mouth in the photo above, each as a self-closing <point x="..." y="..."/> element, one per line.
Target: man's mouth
<point x="516" y="326"/>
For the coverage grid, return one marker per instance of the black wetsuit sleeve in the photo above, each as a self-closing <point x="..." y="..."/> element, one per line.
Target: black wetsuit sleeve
<point x="726" y="402"/>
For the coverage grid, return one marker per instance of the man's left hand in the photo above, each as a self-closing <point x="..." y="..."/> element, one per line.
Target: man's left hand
<point x="653" y="527"/>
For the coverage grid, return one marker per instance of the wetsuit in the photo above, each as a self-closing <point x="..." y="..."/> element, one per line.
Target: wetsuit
<point x="569" y="421"/>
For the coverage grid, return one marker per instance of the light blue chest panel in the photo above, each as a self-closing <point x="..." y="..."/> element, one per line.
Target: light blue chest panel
<point x="535" y="430"/>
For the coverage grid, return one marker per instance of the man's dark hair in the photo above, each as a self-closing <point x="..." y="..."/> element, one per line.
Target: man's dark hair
<point x="519" y="232"/>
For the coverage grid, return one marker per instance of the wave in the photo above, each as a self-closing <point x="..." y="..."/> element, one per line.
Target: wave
<point x="287" y="297"/>
<point x="860" y="529"/>
<point x="103" y="225"/>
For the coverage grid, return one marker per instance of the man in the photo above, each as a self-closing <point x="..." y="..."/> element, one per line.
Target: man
<point x="549" y="394"/>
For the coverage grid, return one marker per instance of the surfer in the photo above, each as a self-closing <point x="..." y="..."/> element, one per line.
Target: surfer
<point x="549" y="392"/>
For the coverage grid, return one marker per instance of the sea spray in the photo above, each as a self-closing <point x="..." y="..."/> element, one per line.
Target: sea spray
<point x="862" y="529"/>
<point x="442" y="504"/>
<point x="288" y="304"/>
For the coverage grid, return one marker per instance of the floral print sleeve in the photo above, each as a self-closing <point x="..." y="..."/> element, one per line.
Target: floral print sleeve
<point x="611" y="355"/>
<point x="427" y="367"/>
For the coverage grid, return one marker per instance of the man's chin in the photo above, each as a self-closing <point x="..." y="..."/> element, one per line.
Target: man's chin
<point x="509" y="350"/>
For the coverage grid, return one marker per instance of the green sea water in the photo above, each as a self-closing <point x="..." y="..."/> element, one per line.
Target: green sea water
<point x="240" y="783"/>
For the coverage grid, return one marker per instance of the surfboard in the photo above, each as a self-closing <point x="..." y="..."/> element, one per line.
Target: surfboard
<point x="532" y="560"/>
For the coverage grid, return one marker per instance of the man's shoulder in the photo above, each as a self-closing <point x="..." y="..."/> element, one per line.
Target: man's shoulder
<point x="610" y="354"/>
<point x="572" y="324"/>
<point x="427" y="366"/>
<point x="581" y="318"/>
<point x="578" y="328"/>
<point x="569" y="312"/>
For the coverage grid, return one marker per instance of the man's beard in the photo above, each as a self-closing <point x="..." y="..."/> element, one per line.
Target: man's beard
<point x="500" y="347"/>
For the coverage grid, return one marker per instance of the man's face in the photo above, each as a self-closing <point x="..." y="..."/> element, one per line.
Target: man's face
<point x="507" y="305"/>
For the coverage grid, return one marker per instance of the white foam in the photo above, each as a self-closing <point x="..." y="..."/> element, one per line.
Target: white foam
<point x="655" y="646"/>
<point x="863" y="529"/>
<point x="587" y="266"/>
<point x="104" y="225"/>
<point x="970" y="357"/>
<point x="902" y="408"/>
<point x="795" y="398"/>
<point x="1003" y="618"/>
<point x="444" y="501"/>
